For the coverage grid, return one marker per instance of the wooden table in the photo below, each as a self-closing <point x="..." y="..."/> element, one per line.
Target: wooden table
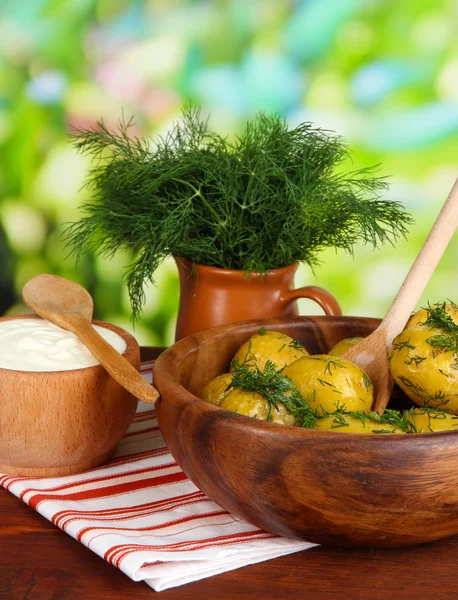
<point x="40" y="562"/>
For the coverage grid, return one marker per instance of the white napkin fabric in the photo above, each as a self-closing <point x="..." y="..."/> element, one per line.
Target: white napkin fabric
<point x="141" y="513"/>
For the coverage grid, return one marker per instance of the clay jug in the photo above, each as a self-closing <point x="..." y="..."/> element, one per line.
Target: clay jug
<point x="211" y="296"/>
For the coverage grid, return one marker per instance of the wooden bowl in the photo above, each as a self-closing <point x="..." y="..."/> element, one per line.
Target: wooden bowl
<point x="326" y="487"/>
<point x="63" y="422"/>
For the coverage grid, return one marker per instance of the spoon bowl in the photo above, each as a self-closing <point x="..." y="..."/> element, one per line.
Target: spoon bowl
<point x="58" y="297"/>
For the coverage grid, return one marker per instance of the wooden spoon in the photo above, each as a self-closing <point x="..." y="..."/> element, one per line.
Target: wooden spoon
<point x="69" y="305"/>
<point x="371" y="354"/>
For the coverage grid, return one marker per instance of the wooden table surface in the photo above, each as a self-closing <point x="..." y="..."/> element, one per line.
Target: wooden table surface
<point x="40" y="562"/>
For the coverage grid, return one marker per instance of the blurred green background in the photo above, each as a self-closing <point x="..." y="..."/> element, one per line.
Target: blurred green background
<point x="382" y="73"/>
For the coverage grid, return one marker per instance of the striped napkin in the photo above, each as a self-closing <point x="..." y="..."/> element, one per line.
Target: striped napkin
<point x="142" y="514"/>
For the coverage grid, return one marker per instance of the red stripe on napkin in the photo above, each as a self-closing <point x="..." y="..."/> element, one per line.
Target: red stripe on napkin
<point x="117" y="554"/>
<point x="65" y="517"/>
<point x="114" y="490"/>
<point x="98" y="480"/>
<point x="163" y="525"/>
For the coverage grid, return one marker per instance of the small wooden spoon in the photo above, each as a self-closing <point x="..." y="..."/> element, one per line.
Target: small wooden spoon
<point x="70" y="306"/>
<point x="371" y="354"/>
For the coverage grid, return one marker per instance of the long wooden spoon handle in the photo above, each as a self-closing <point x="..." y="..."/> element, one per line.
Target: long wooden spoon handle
<point x="121" y="370"/>
<point x="423" y="267"/>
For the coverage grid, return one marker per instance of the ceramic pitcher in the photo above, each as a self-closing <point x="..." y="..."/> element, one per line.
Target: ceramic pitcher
<point x="211" y="296"/>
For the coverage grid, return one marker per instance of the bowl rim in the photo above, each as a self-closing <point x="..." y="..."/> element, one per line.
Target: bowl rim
<point x="165" y="371"/>
<point x="131" y="346"/>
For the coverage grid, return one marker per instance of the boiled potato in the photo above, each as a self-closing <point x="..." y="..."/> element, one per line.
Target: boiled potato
<point x="425" y="421"/>
<point x="216" y="390"/>
<point x="426" y="374"/>
<point x="269" y="345"/>
<point x="344" y="345"/>
<point x="252" y="404"/>
<point x="331" y="383"/>
<point x="421" y="315"/>
<point x="343" y="423"/>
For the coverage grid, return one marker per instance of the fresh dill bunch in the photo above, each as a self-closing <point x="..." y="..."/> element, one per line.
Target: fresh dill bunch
<point x="271" y="197"/>
<point x="275" y="388"/>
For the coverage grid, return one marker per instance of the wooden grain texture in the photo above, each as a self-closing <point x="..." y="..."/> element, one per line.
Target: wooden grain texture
<point x="327" y="487"/>
<point x="68" y="305"/>
<point x="210" y="296"/>
<point x="40" y="562"/>
<point x="371" y="354"/>
<point x="58" y="423"/>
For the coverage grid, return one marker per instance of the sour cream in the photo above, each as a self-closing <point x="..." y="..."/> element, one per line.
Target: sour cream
<point x="37" y="345"/>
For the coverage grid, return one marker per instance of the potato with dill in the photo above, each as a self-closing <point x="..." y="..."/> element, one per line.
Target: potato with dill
<point x="253" y="404"/>
<point x="357" y="422"/>
<point x="344" y="345"/>
<point x="424" y="357"/>
<point x="263" y="346"/>
<point x="427" y="420"/>
<point x="268" y="395"/>
<point x="217" y="389"/>
<point x="330" y="383"/>
<point x="422" y="315"/>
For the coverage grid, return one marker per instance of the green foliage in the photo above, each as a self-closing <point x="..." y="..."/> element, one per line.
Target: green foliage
<point x="272" y="197"/>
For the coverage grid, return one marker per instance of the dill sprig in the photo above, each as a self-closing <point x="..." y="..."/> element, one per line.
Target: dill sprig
<point x="269" y="198"/>
<point x="275" y="388"/>
<point x="297" y="345"/>
<point x="439" y="319"/>
<point x="389" y="420"/>
<point x="432" y="412"/>
<point x="439" y="399"/>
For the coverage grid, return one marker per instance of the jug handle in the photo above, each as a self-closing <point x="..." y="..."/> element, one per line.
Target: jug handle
<point x="319" y="295"/>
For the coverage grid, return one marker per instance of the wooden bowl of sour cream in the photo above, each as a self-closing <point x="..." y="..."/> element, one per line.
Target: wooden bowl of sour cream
<point x="60" y="411"/>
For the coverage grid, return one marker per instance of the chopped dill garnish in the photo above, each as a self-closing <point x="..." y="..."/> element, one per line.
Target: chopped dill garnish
<point x="276" y="388"/>
<point x="439" y="319"/>
<point x="330" y="362"/>
<point x="323" y="383"/>
<point x="262" y="331"/>
<point x="389" y="422"/>
<point x="400" y="345"/>
<point x="367" y="382"/>
<point x="439" y="398"/>
<point x="415" y="359"/>
<point x="297" y="345"/>
<point x="339" y="420"/>
<point x="395" y="418"/>
<point x="443" y="342"/>
<point x="433" y="412"/>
